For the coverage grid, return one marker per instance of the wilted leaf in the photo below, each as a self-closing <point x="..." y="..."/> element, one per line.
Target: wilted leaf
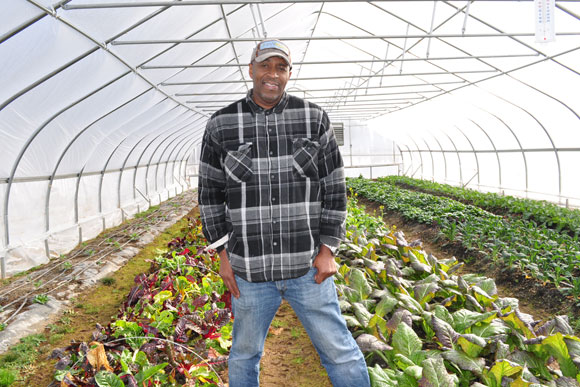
<point x="471" y="344"/>
<point x="401" y="315"/>
<point x="557" y="324"/>
<point x="369" y="343"/>
<point x="517" y="323"/>
<point x="405" y="340"/>
<point x="97" y="357"/>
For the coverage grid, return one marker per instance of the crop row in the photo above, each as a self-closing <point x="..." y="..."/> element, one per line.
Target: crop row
<point x="419" y="323"/>
<point x="173" y="329"/>
<point x="542" y="212"/>
<point x="543" y="253"/>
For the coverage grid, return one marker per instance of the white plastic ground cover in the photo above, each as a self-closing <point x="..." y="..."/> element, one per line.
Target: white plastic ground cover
<point x="102" y="108"/>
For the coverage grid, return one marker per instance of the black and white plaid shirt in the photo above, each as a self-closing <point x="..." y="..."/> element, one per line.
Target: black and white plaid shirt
<point x="273" y="180"/>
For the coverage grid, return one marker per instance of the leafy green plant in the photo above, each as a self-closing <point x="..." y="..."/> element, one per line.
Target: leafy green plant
<point x="41" y="299"/>
<point x="108" y="281"/>
<point x="421" y="324"/>
<point x="7" y="377"/>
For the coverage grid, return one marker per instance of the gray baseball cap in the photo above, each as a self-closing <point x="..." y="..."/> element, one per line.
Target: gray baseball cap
<point x="269" y="48"/>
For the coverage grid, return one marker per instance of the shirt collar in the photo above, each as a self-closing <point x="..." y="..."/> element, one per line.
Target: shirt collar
<point x="255" y="108"/>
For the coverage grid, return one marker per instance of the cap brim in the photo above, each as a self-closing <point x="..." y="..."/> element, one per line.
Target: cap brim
<point x="266" y="55"/>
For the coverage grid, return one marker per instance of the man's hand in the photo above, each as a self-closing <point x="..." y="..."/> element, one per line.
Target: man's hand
<point x="325" y="264"/>
<point x="227" y="274"/>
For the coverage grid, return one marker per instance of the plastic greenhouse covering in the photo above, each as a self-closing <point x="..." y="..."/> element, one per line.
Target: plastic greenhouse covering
<point x="103" y="104"/>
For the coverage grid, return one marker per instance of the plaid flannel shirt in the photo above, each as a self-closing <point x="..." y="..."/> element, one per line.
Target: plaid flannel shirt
<point x="273" y="181"/>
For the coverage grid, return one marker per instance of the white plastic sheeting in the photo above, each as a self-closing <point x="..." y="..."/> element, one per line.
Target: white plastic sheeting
<point x="103" y="103"/>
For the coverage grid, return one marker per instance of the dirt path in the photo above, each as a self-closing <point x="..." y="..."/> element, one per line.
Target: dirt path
<point x="289" y="358"/>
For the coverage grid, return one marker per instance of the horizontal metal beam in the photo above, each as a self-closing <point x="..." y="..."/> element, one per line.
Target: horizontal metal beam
<point x="342" y="101"/>
<point x="294" y="90"/>
<point x="346" y="37"/>
<point x="228" y="2"/>
<point x="145" y="67"/>
<point x="519" y="150"/>
<point x="335" y="96"/>
<point x="6" y="180"/>
<point x="333" y="77"/>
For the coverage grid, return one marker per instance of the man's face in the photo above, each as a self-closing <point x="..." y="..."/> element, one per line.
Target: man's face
<point x="270" y="78"/>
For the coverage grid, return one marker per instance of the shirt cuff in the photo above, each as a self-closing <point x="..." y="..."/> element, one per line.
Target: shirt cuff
<point x="329" y="241"/>
<point x="219" y="244"/>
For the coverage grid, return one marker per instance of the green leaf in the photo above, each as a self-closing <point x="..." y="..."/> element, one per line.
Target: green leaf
<point x="444" y="332"/>
<point x="435" y="374"/>
<point x="148" y="372"/>
<point x="369" y="343"/>
<point x="442" y="313"/>
<point x="361" y="313"/>
<point x="410" y="303"/>
<point x="380" y="378"/>
<point x="518" y="324"/>
<point x="357" y="280"/>
<point x="503" y="368"/>
<point x="425" y="292"/>
<point x="470" y="347"/>
<point x="108" y="379"/>
<point x="488" y="286"/>
<point x="463" y="319"/>
<point x="490" y="329"/>
<point x="414" y="371"/>
<point x="378" y="321"/>
<point x="386" y="305"/>
<point x="405" y="340"/>
<point x="163" y="295"/>
<point x="351" y="321"/>
<point x="464" y="361"/>
<point x="556" y="346"/>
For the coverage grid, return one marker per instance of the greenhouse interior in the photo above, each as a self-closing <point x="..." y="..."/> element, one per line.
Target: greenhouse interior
<point x="104" y="105"/>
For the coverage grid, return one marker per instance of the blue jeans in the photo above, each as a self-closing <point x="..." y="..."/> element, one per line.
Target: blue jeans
<point x="317" y="308"/>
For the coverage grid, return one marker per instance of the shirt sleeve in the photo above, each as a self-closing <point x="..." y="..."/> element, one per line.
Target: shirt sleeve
<point x="211" y="188"/>
<point x="333" y="187"/>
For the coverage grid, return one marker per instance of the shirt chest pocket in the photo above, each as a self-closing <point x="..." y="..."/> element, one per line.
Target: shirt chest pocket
<point x="305" y="157"/>
<point x="238" y="163"/>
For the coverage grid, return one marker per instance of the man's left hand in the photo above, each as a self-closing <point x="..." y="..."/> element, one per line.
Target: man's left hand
<point x="325" y="264"/>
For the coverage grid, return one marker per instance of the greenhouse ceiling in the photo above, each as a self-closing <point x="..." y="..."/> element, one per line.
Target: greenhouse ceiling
<point x="103" y="103"/>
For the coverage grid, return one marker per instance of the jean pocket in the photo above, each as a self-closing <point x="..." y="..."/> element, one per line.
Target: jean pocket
<point x="305" y="157"/>
<point x="238" y="163"/>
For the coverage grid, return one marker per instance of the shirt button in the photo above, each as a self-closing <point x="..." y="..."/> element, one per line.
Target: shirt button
<point x="274" y="221"/>
<point x="273" y="176"/>
<point x="271" y="153"/>
<point x="275" y="243"/>
<point x="269" y="130"/>
<point x="273" y="199"/>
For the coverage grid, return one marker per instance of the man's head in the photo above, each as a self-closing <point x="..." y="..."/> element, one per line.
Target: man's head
<point x="270" y="69"/>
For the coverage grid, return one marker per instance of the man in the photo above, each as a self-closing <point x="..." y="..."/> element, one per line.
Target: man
<point x="272" y="183"/>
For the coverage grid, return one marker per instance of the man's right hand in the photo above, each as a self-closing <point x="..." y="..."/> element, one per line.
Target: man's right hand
<point x="227" y="274"/>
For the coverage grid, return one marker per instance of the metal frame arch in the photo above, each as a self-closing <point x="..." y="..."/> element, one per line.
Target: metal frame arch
<point x="103" y="170"/>
<point x="496" y="153"/>
<point x="143" y="139"/>
<point x="419" y="152"/>
<point x="457" y="153"/>
<point x="27" y="145"/>
<point x="170" y="156"/>
<point x="410" y="156"/>
<point x="430" y="154"/>
<point x="443" y="153"/>
<point x="189" y="127"/>
<point x="474" y="152"/>
<point x="69" y="145"/>
<point x="174" y="161"/>
<point x="524" y="157"/>
<point x="113" y="152"/>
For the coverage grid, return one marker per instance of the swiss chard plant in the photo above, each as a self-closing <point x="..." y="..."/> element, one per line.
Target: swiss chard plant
<point x="420" y="322"/>
<point x="173" y="329"/>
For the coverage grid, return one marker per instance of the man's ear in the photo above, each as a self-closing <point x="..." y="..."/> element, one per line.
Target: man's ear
<point x="251" y="70"/>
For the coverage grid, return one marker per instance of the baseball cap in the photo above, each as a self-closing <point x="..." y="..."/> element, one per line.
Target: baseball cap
<point x="269" y="48"/>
